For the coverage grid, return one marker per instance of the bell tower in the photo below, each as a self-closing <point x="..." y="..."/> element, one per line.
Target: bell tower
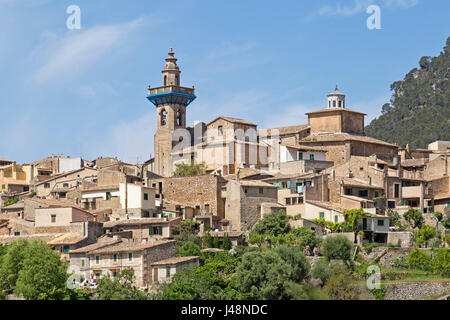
<point x="336" y="99"/>
<point x="171" y="101"/>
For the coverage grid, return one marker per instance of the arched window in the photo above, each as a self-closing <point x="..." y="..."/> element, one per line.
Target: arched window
<point x="179" y="120"/>
<point x="163" y="117"/>
<point x="334" y="104"/>
<point x="177" y="81"/>
<point x="165" y="81"/>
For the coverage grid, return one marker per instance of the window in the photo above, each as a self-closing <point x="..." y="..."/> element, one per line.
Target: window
<point x="376" y="194"/>
<point x="179" y="120"/>
<point x="82" y="262"/>
<point x="261" y="190"/>
<point x="220" y="130"/>
<point x="311" y="157"/>
<point x="245" y="190"/>
<point x="130" y="256"/>
<point x="115" y="275"/>
<point x="363" y="193"/>
<point x="46" y="185"/>
<point x="334" y="104"/>
<point x="145" y="196"/>
<point x="160" y="230"/>
<point x="25" y="189"/>
<point x="321" y="214"/>
<point x="97" y="259"/>
<point x="165" y="81"/>
<point x="448" y="204"/>
<point x="335" y="219"/>
<point x="348" y="191"/>
<point x="380" y="222"/>
<point x="115" y="258"/>
<point x="53" y="217"/>
<point x="163" y="117"/>
<point x="167" y="272"/>
<point x="396" y="190"/>
<point x="3" y="187"/>
<point x="146" y="214"/>
<point x="66" y="249"/>
<point x="65" y="185"/>
<point x="288" y="200"/>
<point x="108" y="195"/>
<point x="17" y="233"/>
<point x="300" y="156"/>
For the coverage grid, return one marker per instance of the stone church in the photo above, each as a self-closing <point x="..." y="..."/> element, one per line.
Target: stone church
<point x="226" y="144"/>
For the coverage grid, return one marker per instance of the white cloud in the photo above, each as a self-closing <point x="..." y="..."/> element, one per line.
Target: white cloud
<point x="130" y="140"/>
<point x="360" y="6"/>
<point x="66" y="56"/>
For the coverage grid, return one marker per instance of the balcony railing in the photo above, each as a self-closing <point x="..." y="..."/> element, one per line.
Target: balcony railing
<point x="170" y="88"/>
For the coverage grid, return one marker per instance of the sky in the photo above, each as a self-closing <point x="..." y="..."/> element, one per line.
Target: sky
<point x="82" y="92"/>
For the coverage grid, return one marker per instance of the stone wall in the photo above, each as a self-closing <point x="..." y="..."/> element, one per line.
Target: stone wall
<point x="406" y="239"/>
<point x="416" y="290"/>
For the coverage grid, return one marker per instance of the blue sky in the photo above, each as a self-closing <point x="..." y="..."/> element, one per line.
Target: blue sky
<point x="82" y="92"/>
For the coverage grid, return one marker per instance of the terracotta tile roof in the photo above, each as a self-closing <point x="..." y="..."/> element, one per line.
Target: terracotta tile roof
<point x="175" y="260"/>
<point x="101" y="242"/>
<point x="232" y="234"/>
<point x="305" y="148"/>
<point x="327" y="110"/>
<point x="326" y="205"/>
<point x="233" y="120"/>
<point x="358" y="183"/>
<point x="255" y="183"/>
<point x="413" y="163"/>
<point x="283" y="130"/>
<point x="356" y="198"/>
<point x="441" y="196"/>
<point x="64" y="174"/>
<point x="110" y="224"/>
<point x="331" y="137"/>
<point x="68" y="238"/>
<point x="127" y="246"/>
<point x="53" y="202"/>
<point x="100" y="188"/>
<point x="14" y="182"/>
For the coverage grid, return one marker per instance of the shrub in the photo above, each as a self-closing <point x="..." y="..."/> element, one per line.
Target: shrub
<point x="379" y="294"/>
<point x="394" y="217"/>
<point x="438" y="215"/>
<point x="189" y="249"/>
<point x="400" y="263"/>
<point x="321" y="270"/>
<point x="226" y="243"/>
<point x="422" y="236"/>
<point x="336" y="247"/>
<point x="415" y="217"/>
<point x="446" y="223"/>
<point x="343" y="286"/>
<point x="417" y="259"/>
<point x="440" y="261"/>
<point x="306" y="237"/>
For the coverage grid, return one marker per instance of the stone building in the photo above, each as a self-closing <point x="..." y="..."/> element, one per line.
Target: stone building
<point x="163" y="270"/>
<point x="109" y="256"/>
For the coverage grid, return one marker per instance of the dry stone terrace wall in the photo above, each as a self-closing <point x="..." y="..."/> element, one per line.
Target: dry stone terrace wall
<point x="416" y="290"/>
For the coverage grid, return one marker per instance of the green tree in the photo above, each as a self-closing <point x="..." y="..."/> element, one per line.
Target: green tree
<point x="414" y="217"/>
<point x="43" y="274"/>
<point x="264" y="275"/>
<point x="394" y="217"/>
<point x="226" y="243"/>
<point x="425" y="234"/>
<point x="207" y="241"/>
<point x="306" y="237"/>
<point x="275" y="223"/>
<point x="189" y="249"/>
<point x="11" y="263"/>
<point x="120" y="289"/>
<point x="336" y="247"/>
<point x="296" y="259"/>
<point x="322" y="270"/>
<point x="191" y="169"/>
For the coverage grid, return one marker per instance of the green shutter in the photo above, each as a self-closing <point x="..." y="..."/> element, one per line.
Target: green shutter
<point x="279" y="185"/>
<point x="130" y="256"/>
<point x="160" y="230"/>
<point x="311" y="157"/>
<point x="300" y="156"/>
<point x="288" y="184"/>
<point x="170" y="215"/>
<point x="66" y="249"/>
<point x="82" y="262"/>
<point x="336" y="219"/>
<point x="321" y="214"/>
<point x="145" y="196"/>
<point x="155" y="215"/>
<point x="150" y="230"/>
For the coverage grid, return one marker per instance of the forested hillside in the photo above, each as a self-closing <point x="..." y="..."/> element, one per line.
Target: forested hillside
<point x="419" y="110"/>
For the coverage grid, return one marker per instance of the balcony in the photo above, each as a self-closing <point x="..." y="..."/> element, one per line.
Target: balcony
<point x="179" y="89"/>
